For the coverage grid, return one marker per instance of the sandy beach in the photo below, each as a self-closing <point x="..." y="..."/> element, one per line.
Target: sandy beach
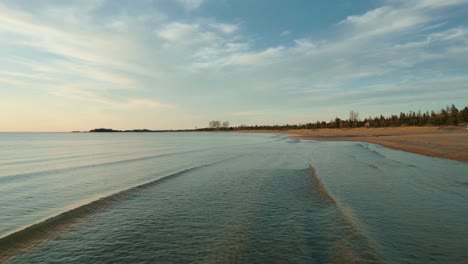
<point x="442" y="142"/>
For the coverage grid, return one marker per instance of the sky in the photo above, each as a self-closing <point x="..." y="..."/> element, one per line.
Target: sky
<point x="171" y="64"/>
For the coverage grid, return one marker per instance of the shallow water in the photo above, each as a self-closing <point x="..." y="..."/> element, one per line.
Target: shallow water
<point x="225" y="197"/>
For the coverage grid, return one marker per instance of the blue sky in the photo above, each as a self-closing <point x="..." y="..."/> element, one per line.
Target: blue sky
<point x="77" y="65"/>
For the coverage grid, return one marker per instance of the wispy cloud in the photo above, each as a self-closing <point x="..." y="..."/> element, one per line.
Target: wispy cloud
<point x="90" y="93"/>
<point x="225" y="28"/>
<point x="190" y="5"/>
<point x="73" y="59"/>
<point x="144" y="61"/>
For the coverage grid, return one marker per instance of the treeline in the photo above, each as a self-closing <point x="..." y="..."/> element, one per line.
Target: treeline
<point x="104" y="130"/>
<point x="448" y="116"/>
<point x="107" y="130"/>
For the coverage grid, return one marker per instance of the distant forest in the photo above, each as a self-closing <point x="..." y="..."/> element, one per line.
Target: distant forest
<point x="448" y="116"/>
<point x="133" y="130"/>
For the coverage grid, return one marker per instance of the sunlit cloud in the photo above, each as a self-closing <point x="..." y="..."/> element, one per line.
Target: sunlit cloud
<point x="146" y="60"/>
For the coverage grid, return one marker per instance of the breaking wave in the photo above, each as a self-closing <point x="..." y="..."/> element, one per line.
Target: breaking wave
<point x="356" y="244"/>
<point x="317" y="182"/>
<point x="94" y="165"/>
<point x="41" y="232"/>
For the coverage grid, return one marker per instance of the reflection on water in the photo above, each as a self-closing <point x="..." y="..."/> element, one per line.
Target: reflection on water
<point x="225" y="198"/>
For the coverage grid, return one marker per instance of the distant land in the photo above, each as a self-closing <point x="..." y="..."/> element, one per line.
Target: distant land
<point x="448" y="116"/>
<point x="442" y="134"/>
<point x="144" y="130"/>
<point x="113" y="130"/>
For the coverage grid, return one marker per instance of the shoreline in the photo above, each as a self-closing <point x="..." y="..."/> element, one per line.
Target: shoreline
<point x="440" y="142"/>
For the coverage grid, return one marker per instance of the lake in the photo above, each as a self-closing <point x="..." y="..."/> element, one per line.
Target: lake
<point x="225" y="197"/>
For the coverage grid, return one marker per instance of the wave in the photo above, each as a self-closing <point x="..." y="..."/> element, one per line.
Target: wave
<point x="319" y="185"/>
<point x="68" y="169"/>
<point x="278" y="137"/>
<point x="25" y="239"/>
<point x="378" y="154"/>
<point x="366" y="146"/>
<point x="60" y="146"/>
<point x="292" y="140"/>
<point x="364" y="162"/>
<point x="37" y="160"/>
<point x="373" y="166"/>
<point x="356" y="243"/>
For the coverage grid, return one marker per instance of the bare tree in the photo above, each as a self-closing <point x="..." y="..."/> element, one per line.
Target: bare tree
<point x="214" y="124"/>
<point x="353" y="117"/>
<point x="225" y="124"/>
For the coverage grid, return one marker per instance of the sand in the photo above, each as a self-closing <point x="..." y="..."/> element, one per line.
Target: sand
<point x="442" y="142"/>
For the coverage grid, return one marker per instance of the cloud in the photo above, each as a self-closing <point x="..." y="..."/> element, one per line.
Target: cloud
<point x="32" y="32"/>
<point x="432" y="4"/>
<point x="75" y="59"/>
<point x="119" y="25"/>
<point x="198" y="65"/>
<point x="385" y="45"/>
<point x="175" y="32"/>
<point x="225" y="28"/>
<point x="457" y="34"/>
<point x="190" y="5"/>
<point x="90" y="94"/>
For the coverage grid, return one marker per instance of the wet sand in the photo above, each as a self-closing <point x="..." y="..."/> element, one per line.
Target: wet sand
<point x="442" y="142"/>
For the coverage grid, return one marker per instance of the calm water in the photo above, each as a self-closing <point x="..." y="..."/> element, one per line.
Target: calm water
<point x="225" y="198"/>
